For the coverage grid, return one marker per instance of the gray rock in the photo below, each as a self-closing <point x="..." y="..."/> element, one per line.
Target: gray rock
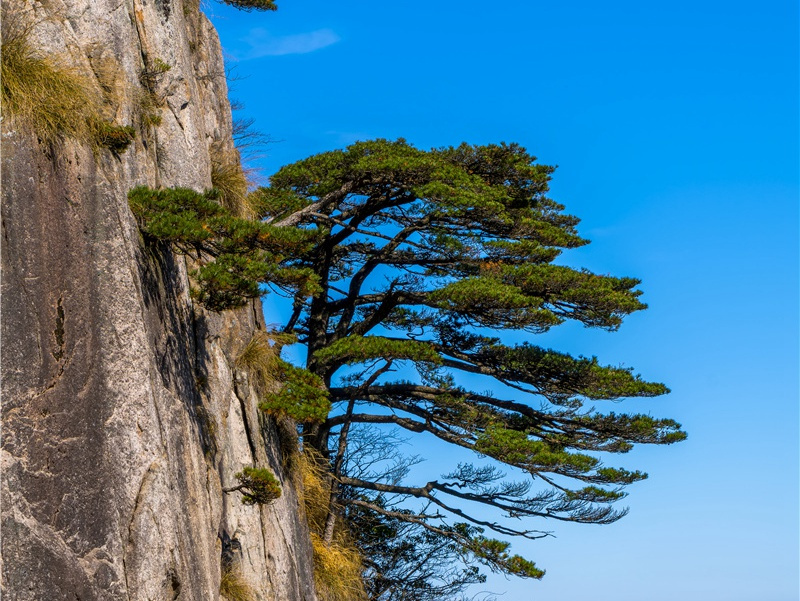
<point x="123" y="415"/>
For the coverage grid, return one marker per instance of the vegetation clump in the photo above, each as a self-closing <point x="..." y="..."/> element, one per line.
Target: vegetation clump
<point x="260" y="358"/>
<point x="232" y="586"/>
<point x="229" y="179"/>
<point x="150" y="100"/>
<point x="235" y="254"/>
<point x="286" y="390"/>
<point x="151" y="75"/>
<point x="338" y="564"/>
<point x="114" y="137"/>
<point x="248" y="5"/>
<point x="258" y="486"/>
<point x="55" y="100"/>
<point x="302" y="395"/>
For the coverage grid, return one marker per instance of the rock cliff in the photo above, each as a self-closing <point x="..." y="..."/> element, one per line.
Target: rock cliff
<point x="123" y="413"/>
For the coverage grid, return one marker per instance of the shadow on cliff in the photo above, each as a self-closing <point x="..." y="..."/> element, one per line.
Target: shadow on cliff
<point x="181" y="358"/>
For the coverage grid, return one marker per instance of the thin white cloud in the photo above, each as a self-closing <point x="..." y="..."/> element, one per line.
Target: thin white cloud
<point x="262" y="43"/>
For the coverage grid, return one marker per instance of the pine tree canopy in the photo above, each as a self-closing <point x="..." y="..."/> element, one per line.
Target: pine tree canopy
<point x="404" y="261"/>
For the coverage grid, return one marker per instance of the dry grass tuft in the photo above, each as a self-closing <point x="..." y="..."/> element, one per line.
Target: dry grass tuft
<point x="260" y="358"/>
<point x="232" y="181"/>
<point x="55" y="100"/>
<point x="228" y="177"/>
<point x="232" y="585"/>
<point x="337" y="566"/>
<point x="316" y="488"/>
<point x="337" y="570"/>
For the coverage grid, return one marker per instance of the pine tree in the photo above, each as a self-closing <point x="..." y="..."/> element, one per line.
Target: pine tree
<point x="411" y="261"/>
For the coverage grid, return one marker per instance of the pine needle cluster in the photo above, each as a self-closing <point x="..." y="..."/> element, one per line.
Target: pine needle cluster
<point x="236" y="254"/>
<point x="258" y="486"/>
<point x="285" y="389"/>
<point x="248" y="5"/>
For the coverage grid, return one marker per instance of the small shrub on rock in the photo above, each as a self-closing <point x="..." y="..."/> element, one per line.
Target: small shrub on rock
<point x="258" y="486"/>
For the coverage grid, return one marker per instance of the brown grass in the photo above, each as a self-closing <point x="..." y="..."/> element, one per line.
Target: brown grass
<point x="260" y="359"/>
<point x="229" y="178"/>
<point x="49" y="95"/>
<point x="316" y="488"/>
<point x="337" y="570"/>
<point x="232" y="585"/>
<point x="55" y="100"/>
<point x="338" y="565"/>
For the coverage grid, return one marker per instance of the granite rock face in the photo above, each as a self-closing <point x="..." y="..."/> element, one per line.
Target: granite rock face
<point x="123" y="413"/>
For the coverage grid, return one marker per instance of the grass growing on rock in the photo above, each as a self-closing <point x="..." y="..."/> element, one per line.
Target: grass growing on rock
<point x="300" y="396"/>
<point x="260" y="360"/>
<point x="337" y="565"/>
<point x="53" y="99"/>
<point x="232" y="585"/>
<point x="228" y="177"/>
<point x="114" y="137"/>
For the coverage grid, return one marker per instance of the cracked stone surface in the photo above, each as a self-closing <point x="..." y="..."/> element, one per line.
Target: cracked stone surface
<point x="123" y="414"/>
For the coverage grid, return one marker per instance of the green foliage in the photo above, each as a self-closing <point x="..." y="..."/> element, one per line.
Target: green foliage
<point x="248" y="5"/>
<point x="258" y="486"/>
<point x="152" y="73"/>
<point x="114" y="137"/>
<point x="495" y="553"/>
<point x="236" y="254"/>
<point x="150" y="100"/>
<point x="359" y="349"/>
<point x="302" y="396"/>
<point x="177" y="215"/>
<point x="420" y="253"/>
<point x="516" y="448"/>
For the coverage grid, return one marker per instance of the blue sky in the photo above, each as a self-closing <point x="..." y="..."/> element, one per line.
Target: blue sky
<point x="675" y="129"/>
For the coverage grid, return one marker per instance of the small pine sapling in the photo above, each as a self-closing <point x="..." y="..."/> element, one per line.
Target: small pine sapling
<point x="258" y="486"/>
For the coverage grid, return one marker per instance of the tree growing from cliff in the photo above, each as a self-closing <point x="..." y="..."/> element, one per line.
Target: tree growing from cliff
<point x="429" y="265"/>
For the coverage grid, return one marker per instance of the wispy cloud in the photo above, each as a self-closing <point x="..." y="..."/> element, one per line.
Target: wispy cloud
<point x="260" y="42"/>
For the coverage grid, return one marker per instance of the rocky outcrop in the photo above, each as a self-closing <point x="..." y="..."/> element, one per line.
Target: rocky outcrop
<point x="123" y="414"/>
